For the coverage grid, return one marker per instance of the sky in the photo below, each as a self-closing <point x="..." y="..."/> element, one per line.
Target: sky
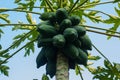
<point x="24" y="68"/>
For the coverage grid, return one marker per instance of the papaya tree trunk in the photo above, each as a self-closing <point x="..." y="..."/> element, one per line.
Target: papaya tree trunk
<point x="62" y="67"/>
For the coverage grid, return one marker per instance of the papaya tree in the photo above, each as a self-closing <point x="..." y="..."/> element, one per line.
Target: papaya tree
<point x="61" y="32"/>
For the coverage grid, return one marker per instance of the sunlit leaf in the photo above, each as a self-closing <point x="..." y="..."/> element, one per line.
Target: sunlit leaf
<point x="90" y="57"/>
<point x="29" y="18"/>
<point x="5" y="17"/>
<point x="117" y="11"/>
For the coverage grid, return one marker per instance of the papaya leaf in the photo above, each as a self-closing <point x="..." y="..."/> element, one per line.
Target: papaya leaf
<point x="1" y="32"/>
<point x="115" y="20"/>
<point x="109" y="72"/>
<point x="28" y="49"/>
<point x="115" y="1"/>
<point x="93" y="18"/>
<point x="4" y="69"/>
<point x="117" y="11"/>
<point x="29" y="18"/>
<point x="5" y="17"/>
<point x="17" y="1"/>
<point x="90" y="57"/>
<point x="0" y="46"/>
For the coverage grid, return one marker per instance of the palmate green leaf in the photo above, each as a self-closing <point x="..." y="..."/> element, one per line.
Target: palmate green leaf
<point x="5" y="17"/>
<point x="109" y="72"/>
<point x="93" y="18"/>
<point x="29" y="48"/>
<point x="115" y="20"/>
<point x="4" y="69"/>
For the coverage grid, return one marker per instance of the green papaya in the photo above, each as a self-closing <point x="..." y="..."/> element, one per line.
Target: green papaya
<point x="48" y="16"/>
<point x="51" y="53"/>
<point x="64" y="24"/>
<point x="71" y="51"/>
<point x="86" y="42"/>
<point x="51" y="68"/>
<point x="47" y="30"/>
<point x="75" y="20"/>
<point x="44" y="42"/>
<point x="70" y="34"/>
<point x="82" y="58"/>
<point x="59" y="41"/>
<point x="41" y="59"/>
<point x="61" y="14"/>
<point x="80" y="30"/>
<point x="77" y="43"/>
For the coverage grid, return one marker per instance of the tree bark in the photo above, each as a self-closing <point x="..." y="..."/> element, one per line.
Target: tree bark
<point x="62" y="67"/>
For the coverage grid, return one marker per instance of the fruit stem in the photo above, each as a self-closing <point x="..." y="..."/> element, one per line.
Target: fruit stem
<point x="62" y="67"/>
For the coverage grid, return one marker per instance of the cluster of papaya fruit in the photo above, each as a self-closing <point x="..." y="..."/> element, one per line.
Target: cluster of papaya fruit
<point x="60" y="31"/>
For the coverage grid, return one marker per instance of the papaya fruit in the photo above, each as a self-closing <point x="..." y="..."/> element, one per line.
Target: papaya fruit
<point x="80" y="30"/>
<point x="51" y="68"/>
<point x="75" y="20"/>
<point x="70" y="34"/>
<point x="64" y="24"/>
<point x="86" y="42"/>
<point x="47" y="30"/>
<point x="71" y="51"/>
<point x="41" y="59"/>
<point x="44" y="42"/>
<point x="51" y="53"/>
<point x="59" y="41"/>
<point x="82" y="58"/>
<point x="71" y="63"/>
<point x="48" y="16"/>
<point x="77" y="43"/>
<point x="61" y="14"/>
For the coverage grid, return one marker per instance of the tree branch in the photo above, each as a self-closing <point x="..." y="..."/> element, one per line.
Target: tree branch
<point x="73" y="6"/>
<point x="80" y="5"/>
<point x="100" y="28"/>
<point x="47" y="1"/>
<point x="103" y="33"/>
<point x="5" y="10"/>
<point x="17" y="51"/>
<point x="80" y="72"/>
<point x="6" y="50"/>
<point x="101" y="53"/>
<point x="97" y="4"/>
<point x="18" y="24"/>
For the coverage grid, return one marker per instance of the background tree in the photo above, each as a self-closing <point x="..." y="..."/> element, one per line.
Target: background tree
<point x="84" y="8"/>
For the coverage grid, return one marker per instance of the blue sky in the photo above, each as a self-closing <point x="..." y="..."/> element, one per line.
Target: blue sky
<point x="24" y="68"/>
